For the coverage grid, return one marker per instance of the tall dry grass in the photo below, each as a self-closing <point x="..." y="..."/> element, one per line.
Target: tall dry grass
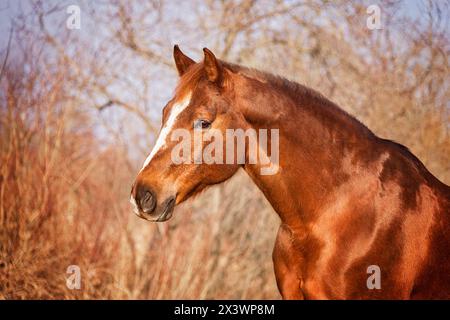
<point x="50" y="193"/>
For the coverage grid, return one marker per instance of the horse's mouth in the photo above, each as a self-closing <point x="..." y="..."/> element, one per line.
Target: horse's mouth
<point x="165" y="215"/>
<point x="168" y="211"/>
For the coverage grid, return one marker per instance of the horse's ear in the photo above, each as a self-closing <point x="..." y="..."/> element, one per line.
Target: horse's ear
<point x="213" y="68"/>
<point x="182" y="61"/>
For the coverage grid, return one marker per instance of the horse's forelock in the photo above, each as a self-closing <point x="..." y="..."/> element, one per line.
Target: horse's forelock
<point x="189" y="80"/>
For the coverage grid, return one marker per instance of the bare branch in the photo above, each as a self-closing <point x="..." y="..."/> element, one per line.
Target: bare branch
<point x="8" y="47"/>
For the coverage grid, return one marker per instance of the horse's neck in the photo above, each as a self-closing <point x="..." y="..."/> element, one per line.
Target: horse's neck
<point x="316" y="156"/>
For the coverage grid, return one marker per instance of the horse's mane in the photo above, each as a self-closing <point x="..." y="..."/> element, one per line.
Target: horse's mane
<point x="195" y="73"/>
<point x="315" y="102"/>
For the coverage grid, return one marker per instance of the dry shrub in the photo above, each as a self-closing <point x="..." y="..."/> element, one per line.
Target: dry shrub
<point x="49" y="217"/>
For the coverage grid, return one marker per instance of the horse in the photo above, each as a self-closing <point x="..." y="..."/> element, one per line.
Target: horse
<point x="361" y="216"/>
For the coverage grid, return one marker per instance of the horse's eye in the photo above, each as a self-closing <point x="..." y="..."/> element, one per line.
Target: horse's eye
<point x="202" y="124"/>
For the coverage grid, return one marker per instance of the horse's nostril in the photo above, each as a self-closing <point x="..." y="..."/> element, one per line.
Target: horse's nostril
<point x="147" y="202"/>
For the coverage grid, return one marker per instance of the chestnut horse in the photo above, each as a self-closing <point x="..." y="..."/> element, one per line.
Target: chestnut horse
<point x="361" y="216"/>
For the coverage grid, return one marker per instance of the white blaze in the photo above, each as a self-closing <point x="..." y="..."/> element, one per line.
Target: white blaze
<point x="177" y="108"/>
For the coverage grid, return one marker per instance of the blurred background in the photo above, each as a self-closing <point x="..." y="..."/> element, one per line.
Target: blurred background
<point x="80" y="108"/>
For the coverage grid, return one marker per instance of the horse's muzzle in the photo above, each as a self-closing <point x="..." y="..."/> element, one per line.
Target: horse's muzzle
<point x="145" y="205"/>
